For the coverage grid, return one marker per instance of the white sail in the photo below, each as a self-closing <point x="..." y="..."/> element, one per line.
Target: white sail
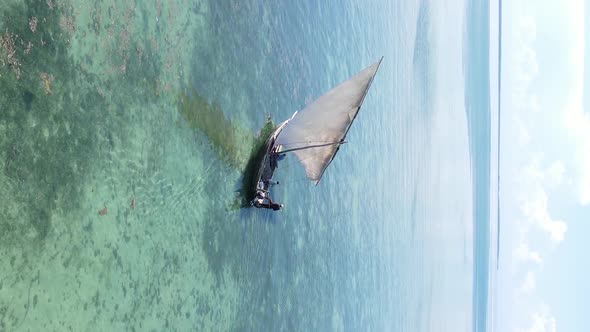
<point x="315" y="133"/>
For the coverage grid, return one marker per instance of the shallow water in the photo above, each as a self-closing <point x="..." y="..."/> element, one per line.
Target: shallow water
<point x="124" y="132"/>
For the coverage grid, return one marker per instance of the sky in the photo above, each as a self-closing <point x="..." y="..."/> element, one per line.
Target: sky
<point x="545" y="168"/>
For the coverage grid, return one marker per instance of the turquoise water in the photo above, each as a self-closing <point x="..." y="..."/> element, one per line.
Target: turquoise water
<point x="124" y="130"/>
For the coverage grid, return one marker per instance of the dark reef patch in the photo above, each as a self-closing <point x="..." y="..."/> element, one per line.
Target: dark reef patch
<point x="45" y="146"/>
<point x="58" y="121"/>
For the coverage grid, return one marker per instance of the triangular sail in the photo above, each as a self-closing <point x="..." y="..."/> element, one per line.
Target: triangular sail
<point x="316" y="132"/>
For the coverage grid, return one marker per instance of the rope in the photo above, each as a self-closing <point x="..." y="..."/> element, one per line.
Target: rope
<point x="305" y="142"/>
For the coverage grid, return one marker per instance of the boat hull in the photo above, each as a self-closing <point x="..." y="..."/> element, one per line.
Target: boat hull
<point x="264" y="169"/>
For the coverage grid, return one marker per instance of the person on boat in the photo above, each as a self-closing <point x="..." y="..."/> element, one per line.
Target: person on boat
<point x="275" y="157"/>
<point x="262" y="200"/>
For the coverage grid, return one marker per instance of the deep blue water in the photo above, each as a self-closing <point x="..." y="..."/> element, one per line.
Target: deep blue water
<point x="477" y="102"/>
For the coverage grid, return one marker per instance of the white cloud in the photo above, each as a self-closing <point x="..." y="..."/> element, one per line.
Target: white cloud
<point x="551" y="177"/>
<point x="577" y="122"/>
<point x="526" y="66"/>
<point x="529" y="283"/>
<point x="533" y="171"/>
<point x="533" y="176"/>
<point x="574" y="11"/>
<point x="541" y="322"/>
<point x="534" y="208"/>
<point x="538" y="124"/>
<point x="554" y="174"/>
<point x="524" y="254"/>
<point x="524" y="137"/>
<point x="529" y="65"/>
<point x="533" y="182"/>
<point x="528" y="29"/>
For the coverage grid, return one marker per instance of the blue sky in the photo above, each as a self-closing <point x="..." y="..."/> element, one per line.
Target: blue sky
<point x="545" y="190"/>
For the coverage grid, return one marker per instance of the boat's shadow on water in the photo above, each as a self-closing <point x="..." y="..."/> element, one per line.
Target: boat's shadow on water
<point x="233" y="144"/>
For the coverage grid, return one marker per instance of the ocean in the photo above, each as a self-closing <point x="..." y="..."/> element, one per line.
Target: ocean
<point x="125" y="127"/>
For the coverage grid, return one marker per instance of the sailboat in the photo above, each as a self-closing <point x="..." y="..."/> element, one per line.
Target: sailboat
<point x="314" y="135"/>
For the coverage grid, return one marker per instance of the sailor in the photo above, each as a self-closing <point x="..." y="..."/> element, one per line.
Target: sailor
<point x="262" y="200"/>
<point x="275" y="158"/>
